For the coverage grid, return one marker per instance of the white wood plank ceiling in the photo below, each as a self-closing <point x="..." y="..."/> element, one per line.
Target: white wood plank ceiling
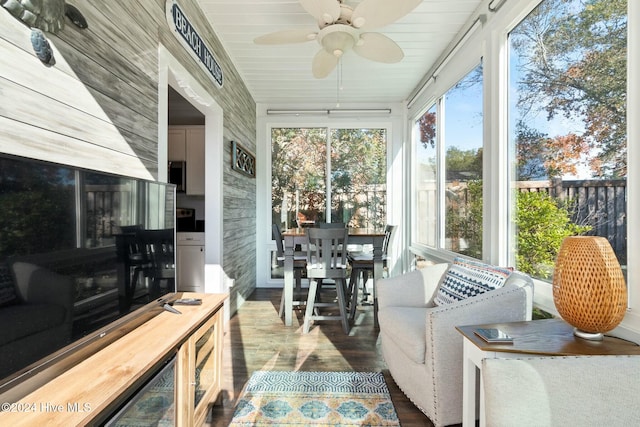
<point x="282" y="74"/>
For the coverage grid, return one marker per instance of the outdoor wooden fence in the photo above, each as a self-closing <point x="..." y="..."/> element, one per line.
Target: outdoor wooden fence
<point x="602" y="204"/>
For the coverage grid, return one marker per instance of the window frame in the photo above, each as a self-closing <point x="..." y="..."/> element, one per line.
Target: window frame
<point x="491" y="44"/>
<point x="393" y="123"/>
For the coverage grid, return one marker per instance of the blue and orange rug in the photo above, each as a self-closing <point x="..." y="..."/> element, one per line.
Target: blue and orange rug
<point x="274" y="398"/>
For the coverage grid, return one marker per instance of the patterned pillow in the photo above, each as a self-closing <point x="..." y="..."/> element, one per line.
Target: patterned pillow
<point x="466" y="278"/>
<point x="7" y="289"/>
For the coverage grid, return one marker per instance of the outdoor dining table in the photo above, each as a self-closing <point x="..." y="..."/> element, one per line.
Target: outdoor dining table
<point x="358" y="236"/>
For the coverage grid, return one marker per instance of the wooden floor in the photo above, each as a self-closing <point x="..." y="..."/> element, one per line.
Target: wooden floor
<point x="256" y="339"/>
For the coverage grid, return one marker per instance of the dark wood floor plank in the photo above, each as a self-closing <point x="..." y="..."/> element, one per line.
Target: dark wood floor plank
<point x="256" y="339"/>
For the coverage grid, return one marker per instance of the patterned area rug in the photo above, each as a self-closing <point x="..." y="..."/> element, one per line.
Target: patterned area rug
<point x="274" y="398"/>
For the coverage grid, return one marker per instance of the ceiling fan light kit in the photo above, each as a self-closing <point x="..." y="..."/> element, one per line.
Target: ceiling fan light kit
<point x="341" y="28"/>
<point x="338" y="38"/>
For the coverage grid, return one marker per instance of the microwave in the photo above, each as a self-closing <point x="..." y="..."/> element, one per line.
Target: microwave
<point x="178" y="175"/>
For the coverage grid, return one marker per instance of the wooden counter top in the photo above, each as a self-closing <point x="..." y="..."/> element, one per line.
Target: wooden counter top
<point x="89" y="388"/>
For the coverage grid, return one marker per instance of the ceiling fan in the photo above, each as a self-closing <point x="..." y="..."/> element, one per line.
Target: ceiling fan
<point x="341" y="27"/>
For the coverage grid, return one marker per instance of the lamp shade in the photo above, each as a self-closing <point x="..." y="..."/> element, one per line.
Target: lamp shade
<point x="589" y="290"/>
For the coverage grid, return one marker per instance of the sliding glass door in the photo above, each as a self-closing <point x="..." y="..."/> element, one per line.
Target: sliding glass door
<point x="328" y="175"/>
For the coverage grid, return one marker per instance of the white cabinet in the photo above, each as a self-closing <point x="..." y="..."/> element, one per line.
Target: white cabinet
<point x="195" y="161"/>
<point x="186" y="144"/>
<point x="190" y="262"/>
<point x="177" y="145"/>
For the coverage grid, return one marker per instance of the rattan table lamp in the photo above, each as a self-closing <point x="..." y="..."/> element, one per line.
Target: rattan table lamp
<point x="589" y="290"/>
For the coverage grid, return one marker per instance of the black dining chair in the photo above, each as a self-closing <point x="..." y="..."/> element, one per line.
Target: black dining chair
<point x="158" y="253"/>
<point x="326" y="262"/>
<point x="362" y="267"/>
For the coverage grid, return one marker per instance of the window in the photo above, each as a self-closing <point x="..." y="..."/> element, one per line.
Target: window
<point x="453" y="127"/>
<point x="567" y="108"/>
<point x="298" y="179"/>
<point x="463" y="165"/>
<point x="356" y="167"/>
<point x="359" y="177"/>
<point x="303" y="158"/>
<point x="426" y="206"/>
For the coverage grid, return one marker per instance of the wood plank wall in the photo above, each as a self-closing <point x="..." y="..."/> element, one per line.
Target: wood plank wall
<point x="97" y="107"/>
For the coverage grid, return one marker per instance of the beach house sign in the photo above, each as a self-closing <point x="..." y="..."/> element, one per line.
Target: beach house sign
<point x="186" y="33"/>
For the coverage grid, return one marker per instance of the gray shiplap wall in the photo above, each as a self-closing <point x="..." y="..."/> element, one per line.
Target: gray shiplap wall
<point x="97" y="108"/>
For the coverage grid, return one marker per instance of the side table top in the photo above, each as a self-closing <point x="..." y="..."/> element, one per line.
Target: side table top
<point x="553" y="337"/>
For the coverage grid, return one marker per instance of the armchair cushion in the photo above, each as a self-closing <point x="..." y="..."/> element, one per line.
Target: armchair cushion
<point x="465" y="279"/>
<point x="414" y="289"/>
<point x="406" y="327"/>
<point x="38" y="285"/>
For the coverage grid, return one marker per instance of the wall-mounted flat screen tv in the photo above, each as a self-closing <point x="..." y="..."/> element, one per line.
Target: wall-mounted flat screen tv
<point x="84" y="257"/>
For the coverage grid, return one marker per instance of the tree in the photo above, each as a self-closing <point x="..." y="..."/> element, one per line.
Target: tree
<point x="298" y="159"/>
<point x="542" y="223"/>
<point x="572" y="58"/>
<point x="427" y="126"/>
<point x="466" y="164"/>
<point x="463" y="218"/>
<point x="541" y="157"/>
<point x="358" y="174"/>
<point x="35" y="208"/>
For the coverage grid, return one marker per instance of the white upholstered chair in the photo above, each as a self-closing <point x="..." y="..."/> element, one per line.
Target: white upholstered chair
<point x="562" y="391"/>
<point x="420" y="344"/>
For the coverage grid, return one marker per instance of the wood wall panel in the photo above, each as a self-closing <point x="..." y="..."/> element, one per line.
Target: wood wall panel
<point x="97" y="108"/>
<point x="27" y="140"/>
<point x="71" y="121"/>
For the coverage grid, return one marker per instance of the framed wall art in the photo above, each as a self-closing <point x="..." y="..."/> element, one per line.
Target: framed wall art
<point x="242" y="161"/>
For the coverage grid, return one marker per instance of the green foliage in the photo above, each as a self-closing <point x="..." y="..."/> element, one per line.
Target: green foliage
<point x="463" y="218"/>
<point x="539" y="313"/>
<point x="473" y="224"/>
<point x="464" y="162"/>
<point x="27" y="219"/>
<point x="542" y="224"/>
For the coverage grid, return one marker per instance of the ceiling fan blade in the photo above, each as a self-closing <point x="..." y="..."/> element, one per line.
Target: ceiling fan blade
<point x="372" y="14"/>
<point x="323" y="64"/>
<point x="327" y="11"/>
<point x="287" y="36"/>
<point x="378" y="47"/>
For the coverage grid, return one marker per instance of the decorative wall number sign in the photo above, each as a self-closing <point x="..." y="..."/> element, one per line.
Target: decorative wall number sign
<point x="242" y="160"/>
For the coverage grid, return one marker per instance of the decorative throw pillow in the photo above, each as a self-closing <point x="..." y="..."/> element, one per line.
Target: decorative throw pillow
<point x="466" y="278"/>
<point x="7" y="289"/>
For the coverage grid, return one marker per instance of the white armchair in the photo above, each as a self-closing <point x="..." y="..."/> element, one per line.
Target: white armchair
<point x="420" y="344"/>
